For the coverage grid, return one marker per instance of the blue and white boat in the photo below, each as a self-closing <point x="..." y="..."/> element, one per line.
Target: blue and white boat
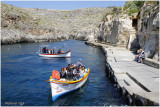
<point x="63" y="86"/>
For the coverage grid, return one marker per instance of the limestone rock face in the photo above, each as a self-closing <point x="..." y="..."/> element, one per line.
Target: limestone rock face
<point x="10" y="36"/>
<point x="148" y="32"/>
<point x="117" y="29"/>
<point x="48" y="24"/>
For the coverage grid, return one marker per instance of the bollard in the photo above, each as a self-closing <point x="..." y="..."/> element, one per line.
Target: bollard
<point x="122" y="91"/>
<point x="117" y="87"/>
<point x="129" y="100"/>
<point x="139" y="101"/>
<point x="107" y="69"/>
<point x="114" y="79"/>
<point x="111" y="72"/>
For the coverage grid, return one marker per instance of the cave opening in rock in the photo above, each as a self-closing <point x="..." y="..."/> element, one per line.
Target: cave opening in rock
<point x="134" y="22"/>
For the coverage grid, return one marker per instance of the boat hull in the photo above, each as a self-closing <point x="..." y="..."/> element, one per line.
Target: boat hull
<point x="64" y="55"/>
<point x="61" y="87"/>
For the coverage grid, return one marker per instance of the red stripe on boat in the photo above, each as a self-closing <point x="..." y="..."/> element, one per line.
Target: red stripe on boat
<point x="57" y="54"/>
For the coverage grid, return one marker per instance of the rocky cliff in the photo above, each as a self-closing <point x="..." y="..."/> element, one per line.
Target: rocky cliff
<point x="133" y="27"/>
<point x="116" y="29"/>
<point x="148" y="29"/>
<point x="35" y="25"/>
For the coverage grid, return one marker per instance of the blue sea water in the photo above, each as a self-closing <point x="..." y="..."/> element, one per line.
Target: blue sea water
<point x="23" y="75"/>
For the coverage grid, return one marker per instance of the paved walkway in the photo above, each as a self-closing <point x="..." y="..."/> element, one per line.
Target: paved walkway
<point x="141" y="79"/>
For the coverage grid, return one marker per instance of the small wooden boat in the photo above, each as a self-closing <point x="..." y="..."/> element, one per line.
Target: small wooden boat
<point x="60" y="87"/>
<point x="66" y="54"/>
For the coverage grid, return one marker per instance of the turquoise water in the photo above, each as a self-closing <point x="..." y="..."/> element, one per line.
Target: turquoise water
<point x="24" y="73"/>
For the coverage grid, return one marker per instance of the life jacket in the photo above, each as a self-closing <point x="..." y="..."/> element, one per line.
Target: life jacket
<point x="55" y="75"/>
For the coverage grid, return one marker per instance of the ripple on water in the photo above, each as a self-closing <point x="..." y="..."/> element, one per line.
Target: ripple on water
<point x="24" y="74"/>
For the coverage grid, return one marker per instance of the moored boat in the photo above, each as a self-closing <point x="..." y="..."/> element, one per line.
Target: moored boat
<point x="60" y="87"/>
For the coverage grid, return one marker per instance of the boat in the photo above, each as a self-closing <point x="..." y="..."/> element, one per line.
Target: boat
<point x="61" y="55"/>
<point x="60" y="87"/>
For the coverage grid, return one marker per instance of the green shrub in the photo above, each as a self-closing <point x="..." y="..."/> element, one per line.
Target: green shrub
<point x="132" y="11"/>
<point x="153" y="2"/>
<point x="133" y="6"/>
<point x="115" y="9"/>
<point x="17" y="27"/>
<point x="139" y="4"/>
<point x="65" y="16"/>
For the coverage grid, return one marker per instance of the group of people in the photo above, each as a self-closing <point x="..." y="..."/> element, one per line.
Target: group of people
<point x="141" y="55"/>
<point x="51" y="51"/>
<point x="73" y="71"/>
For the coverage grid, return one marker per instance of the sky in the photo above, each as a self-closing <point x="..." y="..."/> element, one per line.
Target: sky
<point x="64" y="5"/>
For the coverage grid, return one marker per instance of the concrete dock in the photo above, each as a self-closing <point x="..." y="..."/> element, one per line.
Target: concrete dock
<point x="138" y="82"/>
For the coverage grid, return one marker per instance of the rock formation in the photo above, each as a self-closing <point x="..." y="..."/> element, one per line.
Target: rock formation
<point x="36" y="25"/>
<point x="116" y="29"/>
<point x="138" y="31"/>
<point x="148" y="29"/>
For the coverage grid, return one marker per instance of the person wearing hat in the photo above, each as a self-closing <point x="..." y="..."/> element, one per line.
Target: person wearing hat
<point x="78" y="64"/>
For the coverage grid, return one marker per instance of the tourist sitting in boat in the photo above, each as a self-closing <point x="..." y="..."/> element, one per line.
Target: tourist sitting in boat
<point x="68" y="67"/>
<point x="44" y="50"/>
<point x="60" y="51"/>
<point x="72" y="66"/>
<point x="63" y="73"/>
<point x="69" y="72"/>
<point x="54" y="51"/>
<point x="49" y="51"/>
<point x="82" y="69"/>
<point x="76" y="73"/>
<point x="78" y="64"/>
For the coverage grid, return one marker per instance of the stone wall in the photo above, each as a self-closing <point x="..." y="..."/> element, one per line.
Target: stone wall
<point x="148" y="30"/>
